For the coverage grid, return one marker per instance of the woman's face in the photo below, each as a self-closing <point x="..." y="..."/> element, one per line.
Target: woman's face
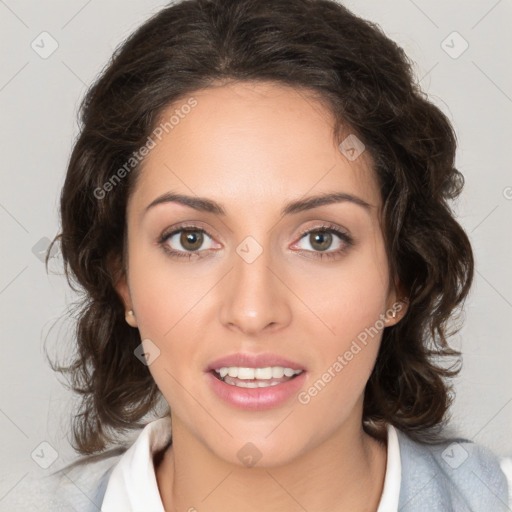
<point x="247" y="282"/>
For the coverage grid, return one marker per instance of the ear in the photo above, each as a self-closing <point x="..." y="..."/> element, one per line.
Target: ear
<point x="397" y="304"/>
<point x="121" y="286"/>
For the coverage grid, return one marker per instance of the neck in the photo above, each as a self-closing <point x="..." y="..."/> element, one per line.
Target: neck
<point x="345" y="472"/>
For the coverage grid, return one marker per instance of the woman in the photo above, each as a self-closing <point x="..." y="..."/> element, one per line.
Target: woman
<point x="257" y="209"/>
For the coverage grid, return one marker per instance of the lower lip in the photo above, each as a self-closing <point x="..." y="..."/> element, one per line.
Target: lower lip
<point x="256" y="399"/>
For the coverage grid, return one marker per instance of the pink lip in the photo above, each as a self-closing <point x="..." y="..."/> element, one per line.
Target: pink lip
<point x="256" y="399"/>
<point x="253" y="361"/>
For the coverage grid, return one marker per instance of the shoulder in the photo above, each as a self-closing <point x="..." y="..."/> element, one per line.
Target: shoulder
<point x="79" y="486"/>
<point x="453" y="474"/>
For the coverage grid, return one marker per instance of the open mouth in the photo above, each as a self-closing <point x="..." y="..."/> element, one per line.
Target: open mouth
<point x="243" y="377"/>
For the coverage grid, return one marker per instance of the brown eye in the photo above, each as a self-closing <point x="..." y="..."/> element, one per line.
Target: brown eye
<point x="325" y="242"/>
<point x="188" y="241"/>
<point x="191" y="240"/>
<point x="320" y="240"/>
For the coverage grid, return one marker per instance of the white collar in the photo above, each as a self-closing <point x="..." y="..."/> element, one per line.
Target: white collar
<point x="132" y="485"/>
<point x="393" y="479"/>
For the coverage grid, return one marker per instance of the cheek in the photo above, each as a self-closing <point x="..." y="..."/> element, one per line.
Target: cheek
<point x="169" y="303"/>
<point x="347" y="298"/>
<point x="350" y="305"/>
<point x="165" y="292"/>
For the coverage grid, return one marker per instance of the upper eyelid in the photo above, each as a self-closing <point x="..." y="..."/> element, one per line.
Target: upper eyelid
<point x="185" y="227"/>
<point x="327" y="226"/>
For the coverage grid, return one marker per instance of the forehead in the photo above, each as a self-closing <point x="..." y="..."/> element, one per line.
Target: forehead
<point x="252" y="143"/>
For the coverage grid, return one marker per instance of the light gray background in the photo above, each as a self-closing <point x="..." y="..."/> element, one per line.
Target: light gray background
<point x="39" y="99"/>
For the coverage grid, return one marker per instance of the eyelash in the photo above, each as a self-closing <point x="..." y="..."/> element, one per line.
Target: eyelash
<point x="324" y="228"/>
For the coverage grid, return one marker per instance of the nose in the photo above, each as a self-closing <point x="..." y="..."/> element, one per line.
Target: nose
<point x="254" y="298"/>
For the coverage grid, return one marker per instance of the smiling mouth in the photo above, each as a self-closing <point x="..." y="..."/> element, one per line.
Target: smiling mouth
<point x="243" y="377"/>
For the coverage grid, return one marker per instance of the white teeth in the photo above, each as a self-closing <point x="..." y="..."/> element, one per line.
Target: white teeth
<point x="253" y="384"/>
<point x="263" y="373"/>
<point x="277" y="372"/>
<point x="269" y="372"/>
<point x="242" y="373"/>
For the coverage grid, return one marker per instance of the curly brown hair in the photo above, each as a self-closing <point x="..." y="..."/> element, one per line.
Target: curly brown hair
<point x="367" y="82"/>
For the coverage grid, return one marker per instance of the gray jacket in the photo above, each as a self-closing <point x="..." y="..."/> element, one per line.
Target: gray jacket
<point x="452" y="476"/>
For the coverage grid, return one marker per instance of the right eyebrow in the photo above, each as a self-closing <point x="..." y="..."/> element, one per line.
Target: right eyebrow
<point x="198" y="203"/>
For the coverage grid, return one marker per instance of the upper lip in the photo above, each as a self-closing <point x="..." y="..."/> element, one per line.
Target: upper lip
<point x="253" y="361"/>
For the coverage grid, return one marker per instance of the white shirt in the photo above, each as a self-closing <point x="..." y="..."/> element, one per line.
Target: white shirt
<point x="132" y="485"/>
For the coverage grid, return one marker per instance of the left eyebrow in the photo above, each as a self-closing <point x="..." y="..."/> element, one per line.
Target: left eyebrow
<point x="207" y="205"/>
<point x="321" y="200"/>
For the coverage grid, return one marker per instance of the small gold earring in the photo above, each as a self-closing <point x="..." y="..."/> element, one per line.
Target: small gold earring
<point x="130" y="318"/>
<point x="394" y="313"/>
